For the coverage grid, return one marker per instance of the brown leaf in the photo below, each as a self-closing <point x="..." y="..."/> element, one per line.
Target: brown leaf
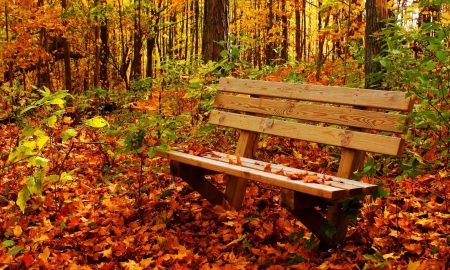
<point x="296" y="175"/>
<point x="414" y="248"/>
<point x="267" y="168"/>
<point x="215" y="155"/>
<point x="311" y="178"/>
<point x="280" y="172"/>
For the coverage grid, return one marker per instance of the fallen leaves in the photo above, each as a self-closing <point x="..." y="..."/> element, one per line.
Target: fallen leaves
<point x="106" y="228"/>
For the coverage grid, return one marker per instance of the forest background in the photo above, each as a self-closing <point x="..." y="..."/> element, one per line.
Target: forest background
<point x="92" y="88"/>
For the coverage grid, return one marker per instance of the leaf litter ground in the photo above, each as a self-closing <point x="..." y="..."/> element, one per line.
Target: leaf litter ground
<point x="101" y="221"/>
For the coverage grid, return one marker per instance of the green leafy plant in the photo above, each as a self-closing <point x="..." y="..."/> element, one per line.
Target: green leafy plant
<point x="35" y="137"/>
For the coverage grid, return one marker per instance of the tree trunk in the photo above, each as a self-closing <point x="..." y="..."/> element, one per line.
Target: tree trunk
<point x="284" y="20"/>
<point x="10" y="65"/>
<point x="196" y="28"/>
<point x="104" y="52"/>
<point x="376" y="11"/>
<point x="136" y="67"/>
<point x="215" y="29"/>
<point x="298" y="51"/>
<point x="270" y="44"/>
<point x="320" y="57"/>
<point x="96" y="57"/>
<point x="66" y="46"/>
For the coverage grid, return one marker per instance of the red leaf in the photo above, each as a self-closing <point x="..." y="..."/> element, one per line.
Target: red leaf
<point x="74" y="221"/>
<point x="27" y="259"/>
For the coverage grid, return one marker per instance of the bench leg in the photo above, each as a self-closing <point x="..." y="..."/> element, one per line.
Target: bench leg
<point x="336" y="217"/>
<point x="236" y="187"/>
<point x="194" y="176"/>
<point x="206" y="189"/>
<point x="235" y="191"/>
<point x="313" y="220"/>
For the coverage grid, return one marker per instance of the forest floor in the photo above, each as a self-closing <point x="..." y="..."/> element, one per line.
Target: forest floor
<point x="104" y="219"/>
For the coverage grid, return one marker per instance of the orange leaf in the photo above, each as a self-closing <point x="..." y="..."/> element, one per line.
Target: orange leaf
<point x="414" y="248"/>
<point x="280" y="172"/>
<point x="230" y="160"/>
<point x="238" y="159"/>
<point x="312" y="178"/>
<point x="267" y="168"/>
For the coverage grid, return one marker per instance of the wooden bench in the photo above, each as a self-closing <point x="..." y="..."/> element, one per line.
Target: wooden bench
<point x="357" y="120"/>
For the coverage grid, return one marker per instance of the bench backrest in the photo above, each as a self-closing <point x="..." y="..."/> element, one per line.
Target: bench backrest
<point x="351" y="118"/>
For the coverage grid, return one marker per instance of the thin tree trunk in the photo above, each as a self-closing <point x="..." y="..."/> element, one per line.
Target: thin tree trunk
<point x="196" y="27"/>
<point x="104" y="49"/>
<point x="186" y="38"/>
<point x="66" y="47"/>
<point x="304" y="30"/>
<point x="298" y="52"/>
<point x="320" y="56"/>
<point x="136" y="68"/>
<point x="284" y="20"/>
<point x="376" y="12"/>
<point x="96" y="56"/>
<point x="125" y="61"/>
<point x="10" y="64"/>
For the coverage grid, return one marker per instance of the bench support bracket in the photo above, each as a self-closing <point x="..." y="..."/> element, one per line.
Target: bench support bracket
<point x="236" y="187"/>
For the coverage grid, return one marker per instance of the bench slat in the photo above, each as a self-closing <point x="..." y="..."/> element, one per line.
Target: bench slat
<point x="389" y="100"/>
<point x="354" y="188"/>
<point x="331" y="136"/>
<point x="331" y="115"/>
<point x="327" y="192"/>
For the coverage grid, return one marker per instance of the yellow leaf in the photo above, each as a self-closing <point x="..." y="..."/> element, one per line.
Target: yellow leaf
<point x="146" y="262"/>
<point x="44" y="255"/>
<point x="388" y="256"/>
<point x="296" y="154"/>
<point x="158" y="227"/>
<point x="17" y="231"/>
<point x="47" y="224"/>
<point x="67" y="120"/>
<point x="424" y="222"/>
<point x="131" y="265"/>
<point x="413" y="265"/>
<point x="106" y="253"/>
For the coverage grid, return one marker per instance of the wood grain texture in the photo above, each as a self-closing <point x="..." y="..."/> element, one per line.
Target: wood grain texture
<point x="351" y="161"/>
<point x="320" y="114"/>
<point x="389" y="100"/>
<point x="353" y="188"/>
<point x="237" y="187"/>
<point x="327" y="192"/>
<point x="330" y="136"/>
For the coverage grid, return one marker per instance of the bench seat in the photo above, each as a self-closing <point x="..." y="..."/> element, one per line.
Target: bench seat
<point x="333" y="188"/>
